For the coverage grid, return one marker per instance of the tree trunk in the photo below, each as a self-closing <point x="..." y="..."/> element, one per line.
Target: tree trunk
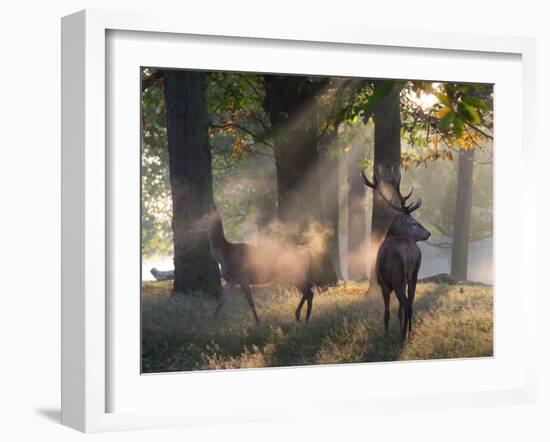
<point x="357" y="216"/>
<point x="463" y="211"/>
<point x="387" y="156"/>
<point x="329" y="170"/>
<point x="195" y="271"/>
<point x="291" y="107"/>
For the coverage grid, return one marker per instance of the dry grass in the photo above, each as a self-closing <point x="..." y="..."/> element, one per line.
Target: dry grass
<point x="346" y="326"/>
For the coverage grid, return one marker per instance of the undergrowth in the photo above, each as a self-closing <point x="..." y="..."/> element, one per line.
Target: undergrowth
<point x="346" y="326"/>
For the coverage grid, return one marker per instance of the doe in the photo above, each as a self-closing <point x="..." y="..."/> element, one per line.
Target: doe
<point x="245" y="265"/>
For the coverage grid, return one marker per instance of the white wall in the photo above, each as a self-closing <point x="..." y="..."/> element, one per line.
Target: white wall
<point x="30" y="220"/>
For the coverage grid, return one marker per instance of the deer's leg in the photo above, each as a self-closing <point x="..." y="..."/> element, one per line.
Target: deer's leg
<point x="309" y="299"/>
<point x="248" y="294"/>
<point x="223" y="297"/>
<point x="400" y="316"/>
<point x="411" y="292"/>
<point x="403" y="304"/>
<point x="307" y="295"/>
<point x="300" y="305"/>
<point x="386" y="295"/>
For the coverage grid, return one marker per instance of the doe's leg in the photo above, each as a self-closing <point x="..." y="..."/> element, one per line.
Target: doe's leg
<point x="223" y="297"/>
<point x="248" y="294"/>
<point x="299" y="308"/>
<point x="307" y="295"/>
<point x="309" y="303"/>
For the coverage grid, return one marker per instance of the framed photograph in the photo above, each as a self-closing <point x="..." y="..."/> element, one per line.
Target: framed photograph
<point x="251" y="213"/>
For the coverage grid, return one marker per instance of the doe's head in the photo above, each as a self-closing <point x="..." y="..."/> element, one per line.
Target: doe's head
<point x="206" y="222"/>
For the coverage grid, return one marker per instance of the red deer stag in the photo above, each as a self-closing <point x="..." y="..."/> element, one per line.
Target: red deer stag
<point x="399" y="257"/>
<point x="245" y="264"/>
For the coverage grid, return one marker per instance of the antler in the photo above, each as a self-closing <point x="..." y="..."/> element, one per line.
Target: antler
<point x="395" y="181"/>
<point x="408" y="209"/>
<point x="372" y="185"/>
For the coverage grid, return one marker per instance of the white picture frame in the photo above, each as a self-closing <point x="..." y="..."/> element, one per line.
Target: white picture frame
<point x="87" y="356"/>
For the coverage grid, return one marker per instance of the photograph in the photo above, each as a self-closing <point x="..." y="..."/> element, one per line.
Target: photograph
<point x="301" y="220"/>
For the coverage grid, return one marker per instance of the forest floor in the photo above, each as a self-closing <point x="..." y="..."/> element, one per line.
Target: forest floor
<point x="451" y="321"/>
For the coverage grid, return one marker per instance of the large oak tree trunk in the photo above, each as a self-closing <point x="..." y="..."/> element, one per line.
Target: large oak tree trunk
<point x="357" y="216"/>
<point x="195" y="271"/>
<point x="291" y="107"/>
<point x="387" y="156"/>
<point x="463" y="211"/>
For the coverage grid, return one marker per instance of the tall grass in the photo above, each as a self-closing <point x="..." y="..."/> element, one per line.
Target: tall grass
<point x="346" y="326"/>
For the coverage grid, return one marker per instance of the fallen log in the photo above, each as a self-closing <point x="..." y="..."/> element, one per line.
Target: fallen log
<point x="161" y="275"/>
<point x="445" y="278"/>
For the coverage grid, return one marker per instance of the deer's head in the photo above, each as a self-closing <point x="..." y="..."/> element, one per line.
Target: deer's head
<point x="403" y="223"/>
<point x="206" y="222"/>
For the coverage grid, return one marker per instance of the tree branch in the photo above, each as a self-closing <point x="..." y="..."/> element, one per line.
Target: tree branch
<point x="150" y="80"/>
<point x="477" y="129"/>
<point x="256" y="91"/>
<point x="244" y="129"/>
<point x="331" y="118"/>
<point x="441" y="245"/>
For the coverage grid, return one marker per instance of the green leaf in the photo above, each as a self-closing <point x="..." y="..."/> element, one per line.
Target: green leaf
<point x="449" y="89"/>
<point x="446" y="121"/>
<point x="468" y="113"/>
<point x="380" y="91"/>
<point x="475" y="102"/>
<point x="443" y="98"/>
<point x="458" y="126"/>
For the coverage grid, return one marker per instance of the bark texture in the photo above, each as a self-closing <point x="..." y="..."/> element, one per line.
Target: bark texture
<point x="463" y="212"/>
<point x="387" y="156"/>
<point x="330" y="184"/>
<point x="357" y="216"/>
<point x="290" y="104"/>
<point x="195" y="271"/>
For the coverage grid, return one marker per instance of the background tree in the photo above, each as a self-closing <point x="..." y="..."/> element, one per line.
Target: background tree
<point x="387" y="153"/>
<point x="330" y="119"/>
<point x="245" y="188"/>
<point x="330" y="182"/>
<point x="463" y="212"/>
<point x="156" y="203"/>
<point x="465" y="120"/>
<point x="195" y="271"/>
<point x="386" y="113"/>
<point x="357" y="214"/>
<point x="291" y="106"/>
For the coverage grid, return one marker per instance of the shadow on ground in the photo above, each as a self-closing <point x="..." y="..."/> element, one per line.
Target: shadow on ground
<point x="50" y="414"/>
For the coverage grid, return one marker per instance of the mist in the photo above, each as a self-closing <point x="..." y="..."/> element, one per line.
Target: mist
<point x="238" y="196"/>
<point x="245" y="194"/>
<point x="260" y="176"/>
